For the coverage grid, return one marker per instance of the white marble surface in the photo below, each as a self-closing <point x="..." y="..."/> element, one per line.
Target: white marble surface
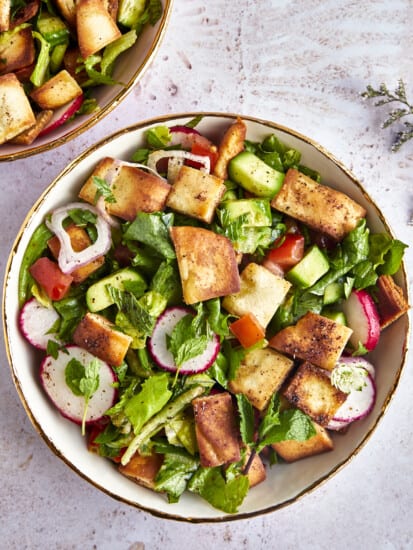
<point x="302" y="63"/>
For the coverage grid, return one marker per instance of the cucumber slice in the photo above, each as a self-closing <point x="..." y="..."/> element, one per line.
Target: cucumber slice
<point x="257" y="210"/>
<point x="311" y="268"/>
<point x="336" y="316"/>
<point x="97" y="295"/>
<point x="251" y="173"/>
<point x="333" y="293"/>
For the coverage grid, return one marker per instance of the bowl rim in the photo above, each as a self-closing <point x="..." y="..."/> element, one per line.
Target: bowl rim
<point x="32" y="149"/>
<point x="164" y="119"/>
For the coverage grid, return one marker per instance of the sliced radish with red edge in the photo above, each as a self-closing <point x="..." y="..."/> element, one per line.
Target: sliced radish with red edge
<point x="186" y="137"/>
<point x="363" y="318"/>
<point x="36" y="322"/>
<point x="358" y="404"/>
<point x="62" y="117"/>
<point x="163" y="357"/>
<point x="71" y="406"/>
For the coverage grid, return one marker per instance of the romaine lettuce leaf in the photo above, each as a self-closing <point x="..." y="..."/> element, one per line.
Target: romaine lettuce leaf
<point x="152" y="397"/>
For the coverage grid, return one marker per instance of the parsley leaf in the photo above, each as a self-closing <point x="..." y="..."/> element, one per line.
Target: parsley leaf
<point x="83" y="380"/>
<point x="104" y="190"/>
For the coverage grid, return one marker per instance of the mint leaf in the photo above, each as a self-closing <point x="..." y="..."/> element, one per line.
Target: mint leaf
<point x="293" y="424"/>
<point x="183" y="342"/>
<point x="176" y="470"/>
<point x="225" y="495"/>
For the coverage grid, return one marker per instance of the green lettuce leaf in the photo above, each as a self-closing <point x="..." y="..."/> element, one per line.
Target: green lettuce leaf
<point x="150" y="400"/>
<point x="224" y="494"/>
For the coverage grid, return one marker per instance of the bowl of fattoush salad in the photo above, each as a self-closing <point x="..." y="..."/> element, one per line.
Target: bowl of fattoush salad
<point x="206" y="316"/>
<point x="64" y="64"/>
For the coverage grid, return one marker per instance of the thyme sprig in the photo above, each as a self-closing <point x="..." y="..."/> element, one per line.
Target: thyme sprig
<point x="395" y="115"/>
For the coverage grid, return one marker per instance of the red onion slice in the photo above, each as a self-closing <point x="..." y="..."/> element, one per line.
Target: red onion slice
<point x="69" y="259"/>
<point x="156" y="156"/>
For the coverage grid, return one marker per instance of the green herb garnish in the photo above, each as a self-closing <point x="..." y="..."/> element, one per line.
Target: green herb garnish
<point x="83" y="380"/>
<point x="404" y="109"/>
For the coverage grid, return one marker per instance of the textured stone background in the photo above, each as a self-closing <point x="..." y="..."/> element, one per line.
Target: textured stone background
<point x="302" y="64"/>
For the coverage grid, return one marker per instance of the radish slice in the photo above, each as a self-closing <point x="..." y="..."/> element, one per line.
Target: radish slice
<point x="62" y="118"/>
<point x="36" y="321"/>
<point x="186" y="137"/>
<point x="163" y="357"/>
<point x="71" y="406"/>
<point x="363" y="318"/>
<point x="358" y="404"/>
<point x="351" y="361"/>
<point x="337" y="425"/>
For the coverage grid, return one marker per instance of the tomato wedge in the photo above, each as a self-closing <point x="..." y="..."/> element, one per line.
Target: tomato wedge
<point x="289" y="253"/>
<point x="247" y="330"/>
<point x="53" y="281"/>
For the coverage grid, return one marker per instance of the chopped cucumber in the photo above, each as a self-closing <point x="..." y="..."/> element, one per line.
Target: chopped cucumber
<point x="130" y="11"/>
<point x="257" y="210"/>
<point x="336" y="316"/>
<point x="97" y="295"/>
<point x="308" y="270"/>
<point x="333" y="293"/>
<point x="254" y="175"/>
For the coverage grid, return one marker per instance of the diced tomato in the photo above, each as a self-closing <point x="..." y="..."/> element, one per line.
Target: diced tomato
<point x="287" y="254"/>
<point x="204" y="151"/>
<point x="49" y="276"/>
<point x="247" y="330"/>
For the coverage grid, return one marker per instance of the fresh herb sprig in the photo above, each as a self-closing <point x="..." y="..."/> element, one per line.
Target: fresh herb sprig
<point x="83" y="380"/>
<point x="404" y="109"/>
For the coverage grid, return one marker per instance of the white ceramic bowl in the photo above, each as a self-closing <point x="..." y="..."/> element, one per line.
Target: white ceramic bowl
<point x="285" y="483"/>
<point x="129" y="69"/>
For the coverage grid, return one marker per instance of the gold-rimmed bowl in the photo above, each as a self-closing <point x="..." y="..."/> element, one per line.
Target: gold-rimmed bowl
<point x="285" y="483"/>
<point x="129" y="69"/>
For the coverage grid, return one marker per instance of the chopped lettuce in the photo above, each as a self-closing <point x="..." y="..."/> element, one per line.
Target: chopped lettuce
<point x="152" y="230"/>
<point x="151" y="399"/>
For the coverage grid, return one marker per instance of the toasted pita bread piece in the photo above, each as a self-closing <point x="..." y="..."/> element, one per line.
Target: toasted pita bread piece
<point x="100" y="337"/>
<point x="313" y="338"/>
<point x="311" y="391"/>
<point x="231" y="144"/>
<point x="261" y="293"/>
<point x="16" y="114"/>
<point x="391" y="302"/>
<point x="95" y="26"/>
<point x="207" y="263"/>
<point x="4" y="15"/>
<point x="17" y="51"/>
<point x="57" y="91"/>
<point x="28" y="136"/>
<point x="67" y="9"/>
<point x="134" y="190"/>
<point x="260" y="374"/>
<point x="196" y="194"/>
<point x="292" y="450"/>
<point x="143" y="469"/>
<point x="216" y="429"/>
<point x="320" y="207"/>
